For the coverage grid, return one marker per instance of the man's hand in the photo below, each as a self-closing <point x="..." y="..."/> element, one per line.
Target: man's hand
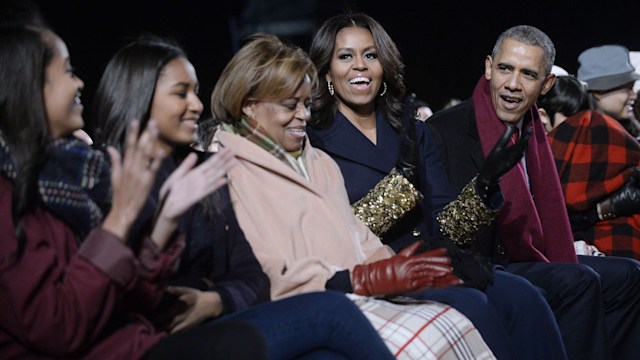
<point x="500" y="160"/>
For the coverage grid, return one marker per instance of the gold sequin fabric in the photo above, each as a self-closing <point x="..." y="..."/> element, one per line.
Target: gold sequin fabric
<point x="387" y="202"/>
<point x="462" y="219"/>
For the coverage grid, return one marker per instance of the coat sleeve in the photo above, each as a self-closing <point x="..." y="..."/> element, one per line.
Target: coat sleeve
<point x="371" y="244"/>
<point x="244" y="283"/>
<point x="438" y="191"/>
<point x="154" y="268"/>
<point x="54" y="298"/>
<point x="288" y="277"/>
<point x="234" y="270"/>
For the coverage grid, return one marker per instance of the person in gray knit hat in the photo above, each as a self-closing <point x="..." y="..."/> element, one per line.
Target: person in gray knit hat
<point x="610" y="76"/>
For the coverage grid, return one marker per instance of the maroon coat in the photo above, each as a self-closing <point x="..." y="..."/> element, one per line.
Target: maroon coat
<point x="61" y="301"/>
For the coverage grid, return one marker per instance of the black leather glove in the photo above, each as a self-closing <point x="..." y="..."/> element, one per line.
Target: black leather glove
<point x="581" y="220"/>
<point x="626" y="201"/>
<point x="407" y="162"/>
<point x="472" y="268"/>
<point x="500" y="160"/>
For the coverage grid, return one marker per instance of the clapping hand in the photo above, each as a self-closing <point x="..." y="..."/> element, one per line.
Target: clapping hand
<point x="132" y="177"/>
<point x="188" y="185"/>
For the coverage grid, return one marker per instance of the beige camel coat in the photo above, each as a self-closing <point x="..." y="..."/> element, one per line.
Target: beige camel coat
<point x="301" y="231"/>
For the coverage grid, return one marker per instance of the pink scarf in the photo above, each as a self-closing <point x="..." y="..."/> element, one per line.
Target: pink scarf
<point x="531" y="231"/>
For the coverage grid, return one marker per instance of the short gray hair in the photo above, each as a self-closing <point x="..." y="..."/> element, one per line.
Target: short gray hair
<point x="531" y="36"/>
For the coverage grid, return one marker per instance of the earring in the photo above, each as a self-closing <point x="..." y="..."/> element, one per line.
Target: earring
<point x="384" y="84"/>
<point x="330" y="87"/>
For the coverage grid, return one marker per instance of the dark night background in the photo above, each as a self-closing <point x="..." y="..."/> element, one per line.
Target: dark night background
<point x="443" y="43"/>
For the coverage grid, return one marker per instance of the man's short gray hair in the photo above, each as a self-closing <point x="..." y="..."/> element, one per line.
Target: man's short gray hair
<point x="532" y="36"/>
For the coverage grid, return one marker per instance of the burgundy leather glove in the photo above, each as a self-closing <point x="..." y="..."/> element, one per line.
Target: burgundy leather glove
<point x="404" y="272"/>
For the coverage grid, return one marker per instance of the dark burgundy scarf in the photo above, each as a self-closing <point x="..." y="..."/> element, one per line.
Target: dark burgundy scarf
<point x="531" y="231"/>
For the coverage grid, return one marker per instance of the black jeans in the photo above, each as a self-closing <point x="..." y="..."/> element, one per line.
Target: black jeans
<point x="224" y="340"/>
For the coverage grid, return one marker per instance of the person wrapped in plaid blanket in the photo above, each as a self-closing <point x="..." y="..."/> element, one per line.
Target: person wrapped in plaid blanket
<point x="597" y="161"/>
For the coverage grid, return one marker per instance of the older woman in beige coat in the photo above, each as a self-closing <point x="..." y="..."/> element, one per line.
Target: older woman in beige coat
<point x="292" y="205"/>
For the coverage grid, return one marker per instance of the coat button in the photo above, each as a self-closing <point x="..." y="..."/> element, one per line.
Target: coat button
<point x="416" y="232"/>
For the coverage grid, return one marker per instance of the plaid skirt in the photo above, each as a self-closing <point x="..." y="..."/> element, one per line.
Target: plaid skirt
<point x="422" y="329"/>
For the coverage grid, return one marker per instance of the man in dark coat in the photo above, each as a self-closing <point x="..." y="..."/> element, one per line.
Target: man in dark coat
<point x="595" y="299"/>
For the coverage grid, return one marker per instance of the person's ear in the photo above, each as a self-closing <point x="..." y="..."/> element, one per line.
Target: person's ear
<point x="546" y="120"/>
<point x="249" y="109"/>
<point x="488" y="63"/>
<point x="548" y="83"/>
<point x="543" y="115"/>
<point x="327" y="76"/>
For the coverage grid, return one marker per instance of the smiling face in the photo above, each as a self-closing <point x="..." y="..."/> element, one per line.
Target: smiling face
<point x="62" y="91"/>
<point x="517" y="77"/>
<point x="618" y="102"/>
<point x="284" y="121"/>
<point x="176" y="106"/>
<point x="355" y="70"/>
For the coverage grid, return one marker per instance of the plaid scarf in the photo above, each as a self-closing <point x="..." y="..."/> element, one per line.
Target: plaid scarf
<point x="73" y="183"/>
<point x="595" y="157"/>
<point x="250" y="130"/>
<point x="531" y="230"/>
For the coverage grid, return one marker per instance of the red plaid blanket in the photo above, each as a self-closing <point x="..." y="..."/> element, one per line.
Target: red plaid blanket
<point x="595" y="156"/>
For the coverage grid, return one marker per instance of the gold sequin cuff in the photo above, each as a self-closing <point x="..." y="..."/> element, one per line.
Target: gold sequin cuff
<point x="387" y="202"/>
<point x="462" y="219"/>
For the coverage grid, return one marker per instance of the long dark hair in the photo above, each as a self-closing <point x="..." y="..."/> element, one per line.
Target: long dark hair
<point x="321" y="52"/>
<point x="126" y="89"/>
<point x="24" y="57"/>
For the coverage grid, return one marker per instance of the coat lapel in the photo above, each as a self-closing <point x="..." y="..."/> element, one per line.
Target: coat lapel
<point x="344" y="140"/>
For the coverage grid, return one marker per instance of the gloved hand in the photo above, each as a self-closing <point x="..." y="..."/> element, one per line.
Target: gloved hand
<point x="404" y="272"/>
<point x="471" y="267"/>
<point x="407" y="162"/>
<point x="626" y="201"/>
<point x="500" y="160"/>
